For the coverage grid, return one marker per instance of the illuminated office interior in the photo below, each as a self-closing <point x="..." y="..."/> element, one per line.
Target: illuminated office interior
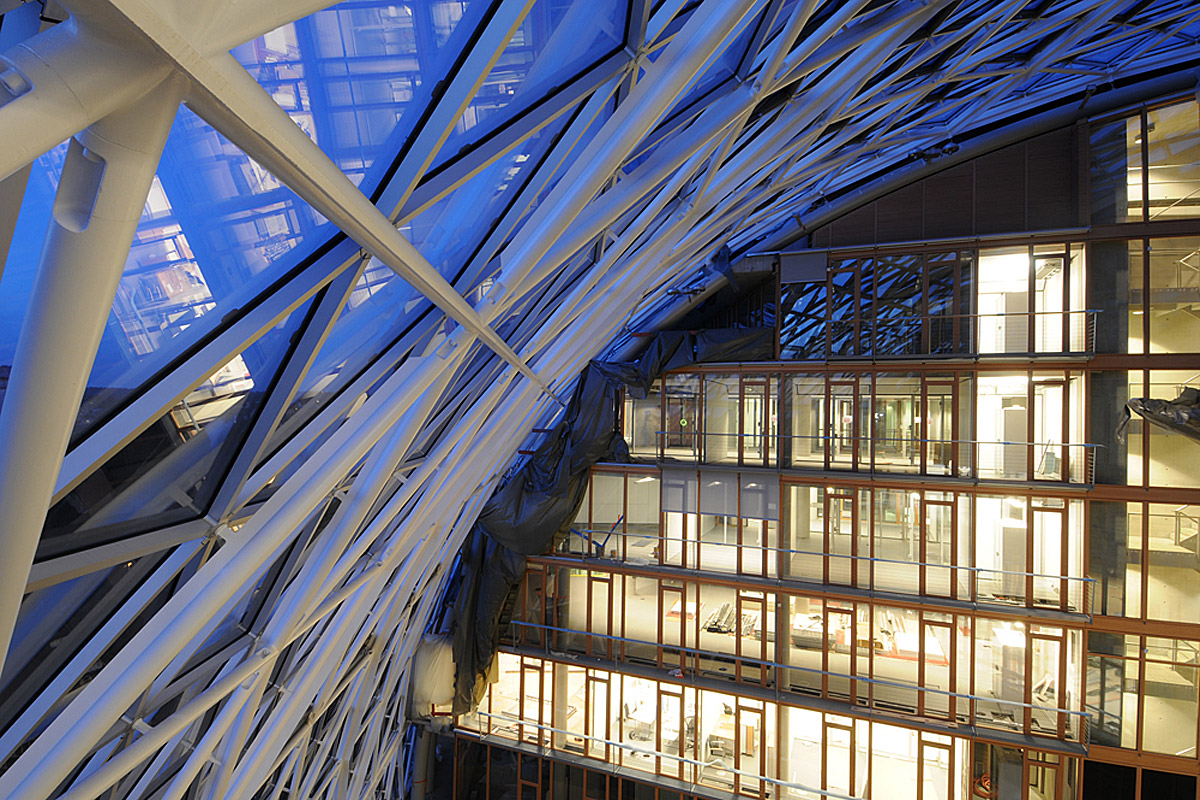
<point x="645" y="400"/>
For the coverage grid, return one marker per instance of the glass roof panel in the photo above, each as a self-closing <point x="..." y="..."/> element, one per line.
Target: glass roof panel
<point x="439" y="231"/>
<point x="556" y="41"/>
<point x="383" y="307"/>
<point x="170" y="471"/>
<point x="16" y="281"/>
<point x="216" y="230"/>
<point x="346" y="75"/>
<point x="380" y="308"/>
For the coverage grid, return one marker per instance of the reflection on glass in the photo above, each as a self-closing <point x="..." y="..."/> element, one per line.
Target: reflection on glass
<point x="346" y="75"/>
<point x="552" y="44"/>
<point x="802" y="321"/>
<point x="216" y="230"/>
<point x="1115" y="171"/>
<point x="642" y="420"/>
<point x="1174" y="296"/>
<point x="1173" y="160"/>
<point x="897" y="303"/>
<point x="1174" y="530"/>
<point x="20" y="266"/>
<point x="172" y="469"/>
<point x="1170" y="700"/>
<point x="1174" y="455"/>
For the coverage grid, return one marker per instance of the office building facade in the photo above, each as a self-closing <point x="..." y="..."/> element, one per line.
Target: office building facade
<point x="922" y="553"/>
<point x="291" y="291"/>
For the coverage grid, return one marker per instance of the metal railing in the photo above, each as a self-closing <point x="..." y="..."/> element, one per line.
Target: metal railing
<point x="1077" y="595"/>
<point x="984" y="459"/>
<point x="985" y="334"/>
<point x="548" y="734"/>
<point x="1009" y="714"/>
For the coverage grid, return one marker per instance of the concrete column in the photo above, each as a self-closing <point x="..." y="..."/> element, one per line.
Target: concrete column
<point x="101" y="193"/>
<point x="560" y="696"/>
<point x="422" y="763"/>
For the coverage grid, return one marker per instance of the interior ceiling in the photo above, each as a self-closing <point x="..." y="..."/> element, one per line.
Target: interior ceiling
<point x="380" y="242"/>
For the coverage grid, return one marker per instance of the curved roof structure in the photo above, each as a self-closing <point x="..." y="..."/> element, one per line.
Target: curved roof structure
<point x="287" y="286"/>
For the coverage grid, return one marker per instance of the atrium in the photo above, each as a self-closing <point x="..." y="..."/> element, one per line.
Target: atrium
<point x="663" y="400"/>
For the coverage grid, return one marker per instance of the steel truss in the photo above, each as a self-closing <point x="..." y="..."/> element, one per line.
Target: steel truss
<point x="265" y="644"/>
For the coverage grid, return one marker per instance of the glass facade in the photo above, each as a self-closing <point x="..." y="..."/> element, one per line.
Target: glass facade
<point x="921" y="509"/>
<point x="285" y="286"/>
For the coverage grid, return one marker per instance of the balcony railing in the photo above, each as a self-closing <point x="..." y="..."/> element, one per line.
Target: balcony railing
<point x="978" y="585"/>
<point x="910" y="699"/>
<point x="985" y="459"/>
<point x="1021" y="333"/>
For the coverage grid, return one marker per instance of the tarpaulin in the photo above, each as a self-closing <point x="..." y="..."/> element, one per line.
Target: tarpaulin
<point x="534" y="509"/>
<point x="1181" y="415"/>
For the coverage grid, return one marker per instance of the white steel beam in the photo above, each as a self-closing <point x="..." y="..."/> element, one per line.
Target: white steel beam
<point x="225" y="95"/>
<point x="100" y="197"/>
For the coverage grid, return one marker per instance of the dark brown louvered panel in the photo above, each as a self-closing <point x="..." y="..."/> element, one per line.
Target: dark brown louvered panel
<point x="1052" y="184"/>
<point x="857" y="227"/>
<point x="1000" y="191"/>
<point x="948" y="203"/>
<point x="899" y="216"/>
<point x="1032" y="185"/>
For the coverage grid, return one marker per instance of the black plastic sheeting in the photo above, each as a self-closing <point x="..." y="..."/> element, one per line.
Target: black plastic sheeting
<point x="1181" y="415"/>
<point x="532" y="511"/>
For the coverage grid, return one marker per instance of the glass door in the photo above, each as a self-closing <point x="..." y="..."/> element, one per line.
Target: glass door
<point x="1047" y="678"/>
<point x="1049" y="295"/>
<point x="1049" y="429"/>
<point x="845" y="425"/>
<point x="1049" y="553"/>
<point x="841" y="523"/>
<point x="600" y="614"/>
<point x="749" y="748"/>
<point x="672" y="622"/>
<point x="939" y="430"/>
<point x="681" y="433"/>
<point x="671" y="731"/>
<point x="599" y="731"/>
<point x="935" y="773"/>
<point x="756" y="421"/>
<point x="937" y="667"/>
<point x="839" y="765"/>
<point x="939" y="541"/>
<point x="751" y="638"/>
<point x="841" y="630"/>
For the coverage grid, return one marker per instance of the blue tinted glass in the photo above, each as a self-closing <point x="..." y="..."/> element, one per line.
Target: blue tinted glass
<point x="439" y="231"/>
<point x="347" y="74"/>
<point x="217" y="229"/>
<point x="720" y="67"/>
<point x="552" y="44"/>
<point x="589" y="133"/>
<point x="171" y="470"/>
<point x="21" y="265"/>
<point x="44" y="613"/>
<point x="381" y="307"/>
